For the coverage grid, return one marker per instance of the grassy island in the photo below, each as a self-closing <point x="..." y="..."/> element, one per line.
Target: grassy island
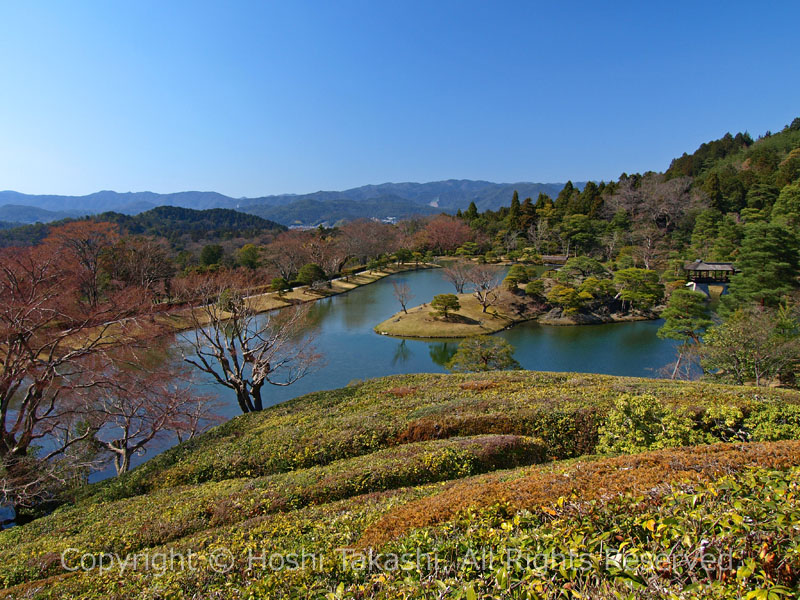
<point x="422" y="322"/>
<point x="443" y="465"/>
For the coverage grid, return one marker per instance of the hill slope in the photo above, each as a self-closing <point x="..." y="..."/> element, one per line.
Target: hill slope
<point x="19" y="213"/>
<point x="394" y="464"/>
<point x="170" y="222"/>
<point x="379" y="200"/>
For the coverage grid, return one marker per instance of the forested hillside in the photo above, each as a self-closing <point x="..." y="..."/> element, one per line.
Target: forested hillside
<point x="168" y="222"/>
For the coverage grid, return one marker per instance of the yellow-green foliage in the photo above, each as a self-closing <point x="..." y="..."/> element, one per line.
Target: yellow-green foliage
<point x="370" y="462"/>
<point x="733" y="537"/>
<point x="564" y="410"/>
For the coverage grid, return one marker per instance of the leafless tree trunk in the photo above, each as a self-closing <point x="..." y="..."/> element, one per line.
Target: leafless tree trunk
<point x="484" y="283"/>
<point x="244" y="351"/>
<point x="402" y="292"/>
<point x="458" y="274"/>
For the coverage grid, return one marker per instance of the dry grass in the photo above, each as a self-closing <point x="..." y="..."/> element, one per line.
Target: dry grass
<point x="467" y="321"/>
<point x="587" y="480"/>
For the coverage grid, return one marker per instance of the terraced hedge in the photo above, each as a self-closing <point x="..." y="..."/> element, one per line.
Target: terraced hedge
<point x="131" y="524"/>
<point x="685" y="499"/>
<point x="412" y="462"/>
<point x="565" y="411"/>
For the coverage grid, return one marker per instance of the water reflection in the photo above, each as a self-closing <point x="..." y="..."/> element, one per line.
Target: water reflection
<point x="402" y="354"/>
<point x="442" y="352"/>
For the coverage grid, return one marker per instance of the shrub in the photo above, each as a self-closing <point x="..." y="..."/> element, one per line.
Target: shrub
<point x="310" y="273"/>
<point x="279" y="284"/>
<point x="724" y="423"/>
<point x="640" y="423"/>
<point x="770" y="422"/>
<point x="535" y="288"/>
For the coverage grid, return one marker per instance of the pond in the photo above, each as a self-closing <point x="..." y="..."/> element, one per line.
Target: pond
<point x="352" y="350"/>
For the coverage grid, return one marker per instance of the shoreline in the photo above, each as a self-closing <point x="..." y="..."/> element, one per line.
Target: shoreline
<point x="181" y="321"/>
<point x="407" y="325"/>
<point x="468" y="321"/>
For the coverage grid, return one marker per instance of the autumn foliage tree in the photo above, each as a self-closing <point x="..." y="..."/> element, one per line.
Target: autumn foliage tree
<point x="444" y="234"/>
<point x="55" y="327"/>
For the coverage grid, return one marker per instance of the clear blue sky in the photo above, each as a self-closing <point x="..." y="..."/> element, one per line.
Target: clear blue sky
<point x="254" y="98"/>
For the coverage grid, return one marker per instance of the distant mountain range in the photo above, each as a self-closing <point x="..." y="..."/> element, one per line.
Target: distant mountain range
<point x="398" y="200"/>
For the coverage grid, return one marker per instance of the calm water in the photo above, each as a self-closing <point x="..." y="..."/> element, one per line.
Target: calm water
<point x="352" y="350"/>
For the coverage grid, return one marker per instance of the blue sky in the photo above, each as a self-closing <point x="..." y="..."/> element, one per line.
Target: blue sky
<point x="254" y="98"/>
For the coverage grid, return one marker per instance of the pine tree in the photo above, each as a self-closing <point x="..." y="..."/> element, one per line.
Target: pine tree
<point x="713" y="190"/>
<point x="483" y="353"/>
<point x="769" y="266"/>
<point x="685" y="317"/>
<point x="786" y="211"/>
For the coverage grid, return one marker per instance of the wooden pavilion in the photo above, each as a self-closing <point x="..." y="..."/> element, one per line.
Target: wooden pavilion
<point x="701" y="271"/>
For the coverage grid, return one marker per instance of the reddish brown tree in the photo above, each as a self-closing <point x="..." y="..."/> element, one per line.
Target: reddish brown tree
<point x="288" y="252"/>
<point x="444" y="234"/>
<point x="364" y="240"/>
<point x="50" y="344"/>
<point x="80" y="247"/>
<point x="137" y="406"/>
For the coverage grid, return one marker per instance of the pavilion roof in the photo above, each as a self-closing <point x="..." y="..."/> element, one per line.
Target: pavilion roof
<point x="701" y="265"/>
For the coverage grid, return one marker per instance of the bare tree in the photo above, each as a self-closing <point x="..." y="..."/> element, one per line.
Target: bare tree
<point x="52" y="345"/>
<point x="457" y="273"/>
<point x="81" y="245"/>
<point x="137" y="407"/>
<point x="402" y="292"/>
<point x="485" y="284"/>
<point x="541" y="234"/>
<point x="243" y="351"/>
<point x="511" y="241"/>
<point x="611" y="240"/>
<point x="141" y="262"/>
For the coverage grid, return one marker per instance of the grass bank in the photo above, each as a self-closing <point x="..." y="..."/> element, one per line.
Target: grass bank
<point x="182" y="319"/>
<point x="448" y="464"/>
<point x="469" y="320"/>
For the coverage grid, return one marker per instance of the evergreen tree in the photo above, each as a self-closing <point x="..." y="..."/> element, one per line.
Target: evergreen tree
<point x="685" y="317"/>
<point x="761" y="196"/>
<point x="786" y="211"/>
<point x="444" y="304"/>
<point x="211" y="255"/>
<point x="768" y="264"/>
<point x="310" y="274"/>
<point x="528" y="216"/>
<point x="705" y="232"/>
<point x="514" y="213"/>
<point x="483" y="353"/>
<point x="713" y="190"/>
<point x="726" y="243"/>
<point x="563" y="199"/>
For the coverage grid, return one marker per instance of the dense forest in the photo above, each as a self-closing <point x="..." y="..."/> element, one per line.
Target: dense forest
<point x="172" y="223"/>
